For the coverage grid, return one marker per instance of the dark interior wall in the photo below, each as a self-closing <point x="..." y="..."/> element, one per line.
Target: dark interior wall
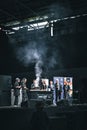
<point x="5" y="82"/>
<point x="67" y="47"/>
<point x="5" y="87"/>
<point x="70" y="50"/>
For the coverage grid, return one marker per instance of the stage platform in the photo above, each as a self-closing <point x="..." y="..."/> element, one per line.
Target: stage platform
<point x="61" y="117"/>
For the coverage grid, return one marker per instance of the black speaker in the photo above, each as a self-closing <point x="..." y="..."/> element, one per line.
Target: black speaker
<point x="24" y="104"/>
<point x="63" y="103"/>
<point x="5" y="90"/>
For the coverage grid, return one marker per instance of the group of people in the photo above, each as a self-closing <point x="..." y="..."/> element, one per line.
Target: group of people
<point x="58" y="91"/>
<point x="20" y="84"/>
<point x="56" y="88"/>
<point x="40" y="85"/>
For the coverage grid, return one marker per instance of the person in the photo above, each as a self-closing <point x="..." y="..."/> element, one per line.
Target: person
<point x="24" y="92"/>
<point x="51" y="85"/>
<point x="58" y="90"/>
<point x="65" y="89"/>
<point x="52" y="88"/>
<point x="34" y="84"/>
<point x="17" y="87"/>
<point x="44" y="86"/>
<point x="39" y="119"/>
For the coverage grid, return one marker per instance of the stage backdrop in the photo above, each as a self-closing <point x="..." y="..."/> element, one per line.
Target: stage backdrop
<point x="62" y="81"/>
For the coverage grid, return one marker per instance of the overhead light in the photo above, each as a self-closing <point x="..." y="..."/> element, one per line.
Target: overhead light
<point x="66" y="18"/>
<point x="72" y="17"/>
<point x="10" y="32"/>
<point x="16" y="28"/>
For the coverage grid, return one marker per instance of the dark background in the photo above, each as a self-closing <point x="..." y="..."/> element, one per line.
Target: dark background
<point x="68" y="44"/>
<point x="69" y="47"/>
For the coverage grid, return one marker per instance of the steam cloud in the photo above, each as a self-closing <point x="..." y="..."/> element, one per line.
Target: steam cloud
<point x="33" y="52"/>
<point x="36" y="52"/>
<point x="38" y="70"/>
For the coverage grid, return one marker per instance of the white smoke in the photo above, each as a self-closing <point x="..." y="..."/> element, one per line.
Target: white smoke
<point x="32" y="53"/>
<point x="38" y="70"/>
